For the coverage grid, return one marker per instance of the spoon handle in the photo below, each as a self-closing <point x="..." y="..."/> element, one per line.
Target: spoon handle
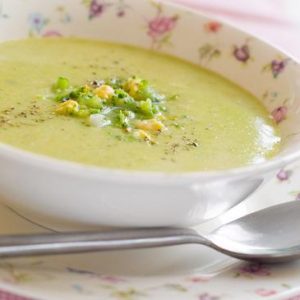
<point x="72" y="242"/>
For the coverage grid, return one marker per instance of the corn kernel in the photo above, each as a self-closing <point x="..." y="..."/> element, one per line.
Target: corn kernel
<point x="132" y="86"/>
<point x="67" y="108"/>
<point x="104" y="91"/>
<point x="150" y="125"/>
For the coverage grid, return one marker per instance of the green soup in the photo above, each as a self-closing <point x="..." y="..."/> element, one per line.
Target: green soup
<point x="212" y="124"/>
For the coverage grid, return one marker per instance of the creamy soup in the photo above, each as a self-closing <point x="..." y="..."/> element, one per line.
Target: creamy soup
<point x="204" y="122"/>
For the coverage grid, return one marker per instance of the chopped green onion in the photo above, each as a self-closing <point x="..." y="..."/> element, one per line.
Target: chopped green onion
<point x="123" y="119"/>
<point x="146" y="107"/>
<point x="93" y="103"/>
<point x="62" y="84"/>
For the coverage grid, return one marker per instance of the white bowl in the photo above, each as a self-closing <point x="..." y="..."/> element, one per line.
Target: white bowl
<point x="80" y="194"/>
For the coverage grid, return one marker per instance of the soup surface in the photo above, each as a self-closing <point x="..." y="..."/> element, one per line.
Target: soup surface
<point x="211" y="123"/>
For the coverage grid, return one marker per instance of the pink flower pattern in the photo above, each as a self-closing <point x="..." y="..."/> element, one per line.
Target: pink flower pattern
<point x="276" y="66"/>
<point x="265" y="292"/>
<point x="242" y="53"/>
<point x="283" y="175"/>
<point x="52" y="33"/>
<point x="161" y="25"/>
<point x="198" y="279"/>
<point x="254" y="269"/>
<point x="160" y="28"/>
<point x="213" y="26"/>
<point x="9" y="296"/>
<point x="97" y="8"/>
<point x="279" y="114"/>
<point x="207" y="296"/>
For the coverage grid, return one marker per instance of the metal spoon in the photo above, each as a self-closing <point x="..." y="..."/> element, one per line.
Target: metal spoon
<point x="270" y="235"/>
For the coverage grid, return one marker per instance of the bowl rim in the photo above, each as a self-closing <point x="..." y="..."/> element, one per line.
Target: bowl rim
<point x="94" y="172"/>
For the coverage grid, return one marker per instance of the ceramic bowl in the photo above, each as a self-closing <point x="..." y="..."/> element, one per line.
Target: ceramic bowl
<point x="77" y="194"/>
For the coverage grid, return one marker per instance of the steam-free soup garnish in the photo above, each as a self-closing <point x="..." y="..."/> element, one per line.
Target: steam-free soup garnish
<point x="122" y="107"/>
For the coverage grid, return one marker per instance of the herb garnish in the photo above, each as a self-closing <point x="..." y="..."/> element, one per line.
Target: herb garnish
<point x="131" y="104"/>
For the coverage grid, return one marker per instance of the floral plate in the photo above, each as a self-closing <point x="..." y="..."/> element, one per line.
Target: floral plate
<point x="183" y="272"/>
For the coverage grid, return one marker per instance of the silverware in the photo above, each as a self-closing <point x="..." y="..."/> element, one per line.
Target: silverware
<point x="269" y="235"/>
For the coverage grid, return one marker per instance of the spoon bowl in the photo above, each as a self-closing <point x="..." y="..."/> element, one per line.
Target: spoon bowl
<point x="269" y="235"/>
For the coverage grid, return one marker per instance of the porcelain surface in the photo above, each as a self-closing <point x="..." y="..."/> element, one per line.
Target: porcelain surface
<point x="69" y="194"/>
